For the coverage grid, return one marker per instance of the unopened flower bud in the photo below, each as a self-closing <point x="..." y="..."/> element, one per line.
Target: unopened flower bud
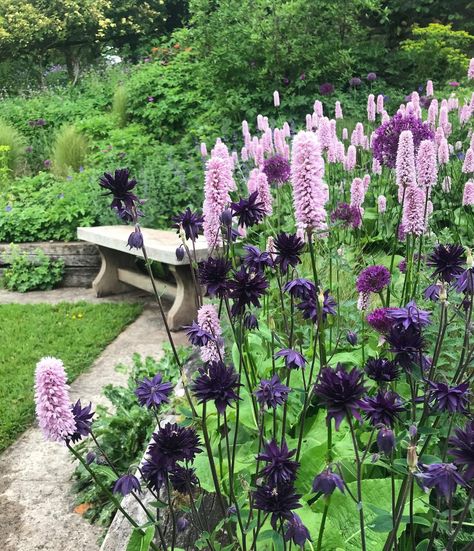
<point x="351" y="338"/>
<point x="413" y="431"/>
<point x="226" y="218"/>
<point x="386" y="441"/>
<point x="469" y="258"/>
<point x="443" y="292"/>
<point x="182" y="524"/>
<point x="412" y="458"/>
<point x="180" y="253"/>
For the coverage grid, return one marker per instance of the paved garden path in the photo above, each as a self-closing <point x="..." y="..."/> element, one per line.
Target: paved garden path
<point x="36" y="504"/>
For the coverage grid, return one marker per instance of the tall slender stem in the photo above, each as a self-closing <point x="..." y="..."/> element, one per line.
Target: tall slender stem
<point x="359" y="484"/>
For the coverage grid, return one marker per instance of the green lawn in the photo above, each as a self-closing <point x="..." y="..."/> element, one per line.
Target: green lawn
<point x="76" y="333"/>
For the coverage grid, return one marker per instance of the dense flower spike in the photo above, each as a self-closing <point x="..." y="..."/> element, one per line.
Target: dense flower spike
<point x="53" y="406"/>
<point x="310" y="192"/>
<point x="468" y="194"/>
<point x="426" y="168"/>
<point x="405" y="164"/>
<point x="208" y="320"/>
<point x="218" y="182"/>
<point x="413" y="219"/>
<point x="218" y="383"/>
<point x="340" y="391"/>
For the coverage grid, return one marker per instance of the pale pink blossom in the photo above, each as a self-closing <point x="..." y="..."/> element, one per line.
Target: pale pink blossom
<point x="309" y="122"/>
<point x="218" y="182"/>
<point x="252" y="181"/>
<point x="429" y="88"/>
<point x="276" y="98"/>
<point x="465" y="114"/>
<point x="345" y="134"/>
<point x="203" y="150"/>
<point x="338" y="110"/>
<point x="468" y="193"/>
<point x="244" y="154"/>
<point x="371" y="107"/>
<point x="405" y="163"/>
<point x="351" y="158"/>
<point x="413" y="218"/>
<point x="366" y="182"/>
<point x="433" y="112"/>
<point x="376" y="166"/>
<point x="380" y="102"/>
<point x="324" y="133"/>
<point x="208" y="320"/>
<point x="426" y="169"/>
<point x="363" y="302"/>
<point x="385" y="116"/>
<point x="470" y="71"/>
<point x="340" y="152"/>
<point x="443" y="152"/>
<point x="318" y="108"/>
<point x="381" y="204"/>
<point x="468" y="164"/>
<point x="264" y="192"/>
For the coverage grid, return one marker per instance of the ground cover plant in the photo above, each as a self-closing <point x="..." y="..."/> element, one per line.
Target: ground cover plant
<point x="331" y="408"/>
<point x="76" y="332"/>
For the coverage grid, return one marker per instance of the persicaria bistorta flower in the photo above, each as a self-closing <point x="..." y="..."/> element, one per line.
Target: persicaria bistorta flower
<point x="208" y="319"/>
<point x="413" y="218"/>
<point x="426" y="168"/>
<point x="218" y="182"/>
<point x="381" y="204"/>
<point x="468" y="193"/>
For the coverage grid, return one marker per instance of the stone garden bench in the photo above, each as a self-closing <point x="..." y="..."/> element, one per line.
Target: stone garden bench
<point x="118" y="270"/>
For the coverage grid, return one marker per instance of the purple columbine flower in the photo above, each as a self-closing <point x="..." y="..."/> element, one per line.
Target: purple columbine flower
<point x="246" y="288"/>
<point x="179" y="253"/>
<point x="278" y="501"/>
<point x="216" y="382"/>
<point x="327" y="481"/>
<point x="465" y="282"/>
<point x="127" y="484"/>
<point x="288" y="247"/>
<point x="378" y="319"/>
<point x="183" y="479"/>
<point x="351" y="338"/>
<point x="300" y="288"/>
<point x="293" y="359"/>
<point x="432" y="292"/>
<point x="463" y="449"/>
<point x="120" y="186"/>
<point x="373" y="279"/>
<point x="250" y="321"/>
<point x="280" y="469"/>
<point x="271" y="392"/>
<point x="172" y="443"/>
<point x="349" y="215"/>
<point x="448" y="261"/>
<point x="444" y="477"/>
<point x="197" y="335"/>
<point x="383" y="408"/>
<point x="309" y="306"/>
<point x="296" y="531"/>
<point x="453" y="399"/>
<point x="135" y="239"/>
<point x="386" y="441"/>
<point x="248" y="211"/>
<point x="182" y="524"/>
<point x="191" y="222"/>
<point x="257" y="259"/>
<point x="381" y="370"/>
<point x="214" y="274"/>
<point x="155" y="470"/>
<point x="277" y="169"/>
<point x="83" y="419"/>
<point x="326" y="89"/>
<point x="340" y="391"/>
<point x="410" y="316"/>
<point x="406" y="344"/>
<point x="151" y="393"/>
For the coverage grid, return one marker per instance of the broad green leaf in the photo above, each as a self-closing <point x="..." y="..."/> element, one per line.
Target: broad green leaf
<point x="140" y="540"/>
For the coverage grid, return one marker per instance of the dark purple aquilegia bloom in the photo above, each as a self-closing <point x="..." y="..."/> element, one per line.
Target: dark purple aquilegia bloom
<point x="257" y="259"/>
<point x="127" y="484"/>
<point x="120" y="186"/>
<point x="347" y="214"/>
<point x="172" y="443"/>
<point x="410" y="316"/>
<point x="271" y="392"/>
<point x="309" y="306"/>
<point x="381" y="370"/>
<point x="190" y="222"/>
<point x="340" y="391"/>
<point x="453" y="399"/>
<point x="448" y="261"/>
<point x="373" y="279"/>
<point x="183" y="479"/>
<point x="216" y="382"/>
<point x="296" y="531"/>
<point x="462" y="449"/>
<point x="151" y="393"/>
<point x="288" y="247"/>
<point x="406" y="344"/>
<point x="248" y="211"/>
<point x="327" y="481"/>
<point x="279" y="501"/>
<point x="214" y="274"/>
<point x="83" y="420"/>
<point x="300" y="288"/>
<point x="444" y="477"/>
<point x="378" y="319"/>
<point x="135" y="239"/>
<point x="386" y="441"/>
<point x="277" y="169"/>
<point x="246" y="288"/>
<point x="383" y="408"/>
<point x="280" y="468"/>
<point x="197" y="335"/>
<point x="293" y="359"/>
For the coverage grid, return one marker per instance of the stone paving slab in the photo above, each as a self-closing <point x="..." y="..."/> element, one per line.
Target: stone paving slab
<point x="36" y="503"/>
<point x="69" y="294"/>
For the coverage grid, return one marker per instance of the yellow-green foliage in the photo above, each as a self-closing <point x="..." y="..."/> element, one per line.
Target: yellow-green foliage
<point x="439" y="52"/>
<point x="14" y="143"/>
<point x="69" y="150"/>
<point x="119" y="106"/>
<point x="4" y="170"/>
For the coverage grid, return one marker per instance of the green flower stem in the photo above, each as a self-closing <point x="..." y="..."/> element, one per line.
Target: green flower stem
<point x="359" y="485"/>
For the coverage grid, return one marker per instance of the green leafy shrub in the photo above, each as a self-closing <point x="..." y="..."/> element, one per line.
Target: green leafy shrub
<point x="4" y="169"/>
<point x="119" y="106"/>
<point x="11" y="138"/>
<point x="27" y="273"/>
<point x="69" y="150"/>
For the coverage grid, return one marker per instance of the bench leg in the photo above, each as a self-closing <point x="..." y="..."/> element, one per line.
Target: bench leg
<point x="107" y="281"/>
<point x="184" y="309"/>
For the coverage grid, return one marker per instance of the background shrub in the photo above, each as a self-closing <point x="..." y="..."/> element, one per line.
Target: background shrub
<point x="14" y="141"/>
<point x="119" y="106"/>
<point x="69" y="151"/>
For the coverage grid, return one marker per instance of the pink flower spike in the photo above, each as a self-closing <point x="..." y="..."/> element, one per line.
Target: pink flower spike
<point x="357" y="192"/>
<point x="426" y="168"/>
<point x="413" y="220"/>
<point x="380" y="101"/>
<point x="264" y="193"/>
<point x="468" y="164"/>
<point x="468" y="193"/>
<point x="338" y="110"/>
<point x="470" y="71"/>
<point x="443" y="152"/>
<point x="203" y="150"/>
<point x="218" y="182"/>
<point x="405" y="163"/>
<point x="208" y="320"/>
<point x="371" y="107"/>
<point x="53" y="406"/>
<point x="429" y="88"/>
<point x="351" y="158"/>
<point x="276" y="98"/>
<point x="381" y="204"/>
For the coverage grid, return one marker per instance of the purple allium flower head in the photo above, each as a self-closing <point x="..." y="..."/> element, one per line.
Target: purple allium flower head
<point x="453" y="399"/>
<point x="288" y="247"/>
<point x="183" y="479"/>
<point x="402" y="266"/>
<point x="150" y="99"/>
<point x="247" y="287"/>
<point x="151" y="393"/>
<point x="135" y="239"/>
<point x="216" y="382"/>
<point x="406" y="344"/>
<point x="355" y="81"/>
<point x="371" y="77"/>
<point x="463" y="449"/>
<point x="444" y="477"/>
<point x="386" y="441"/>
<point x="47" y="163"/>
<point x="197" y="335"/>
<point x="349" y="215"/>
<point x="214" y="274"/>
<point x="383" y="408"/>
<point x="340" y="391"/>
<point x="448" y="261"/>
<point x="378" y="319"/>
<point x="120" y="186"/>
<point x="385" y="142"/>
<point x="327" y="481"/>
<point x="277" y="169"/>
<point x="257" y="259"/>
<point x="127" y="484"/>
<point x="172" y="443"/>
<point x="83" y="420"/>
<point x="351" y="338"/>
<point x="271" y="392"/>
<point x="296" y="531"/>
<point x="279" y="501"/>
<point x="373" y="279"/>
<point x="249" y="211"/>
<point x="8" y="208"/>
<point x="280" y="469"/>
<point x="410" y="316"/>
<point x="300" y="288"/>
<point x="326" y="89"/>
<point x="190" y="222"/>
<point x="53" y="407"/>
<point x="381" y="370"/>
<point x="293" y="359"/>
